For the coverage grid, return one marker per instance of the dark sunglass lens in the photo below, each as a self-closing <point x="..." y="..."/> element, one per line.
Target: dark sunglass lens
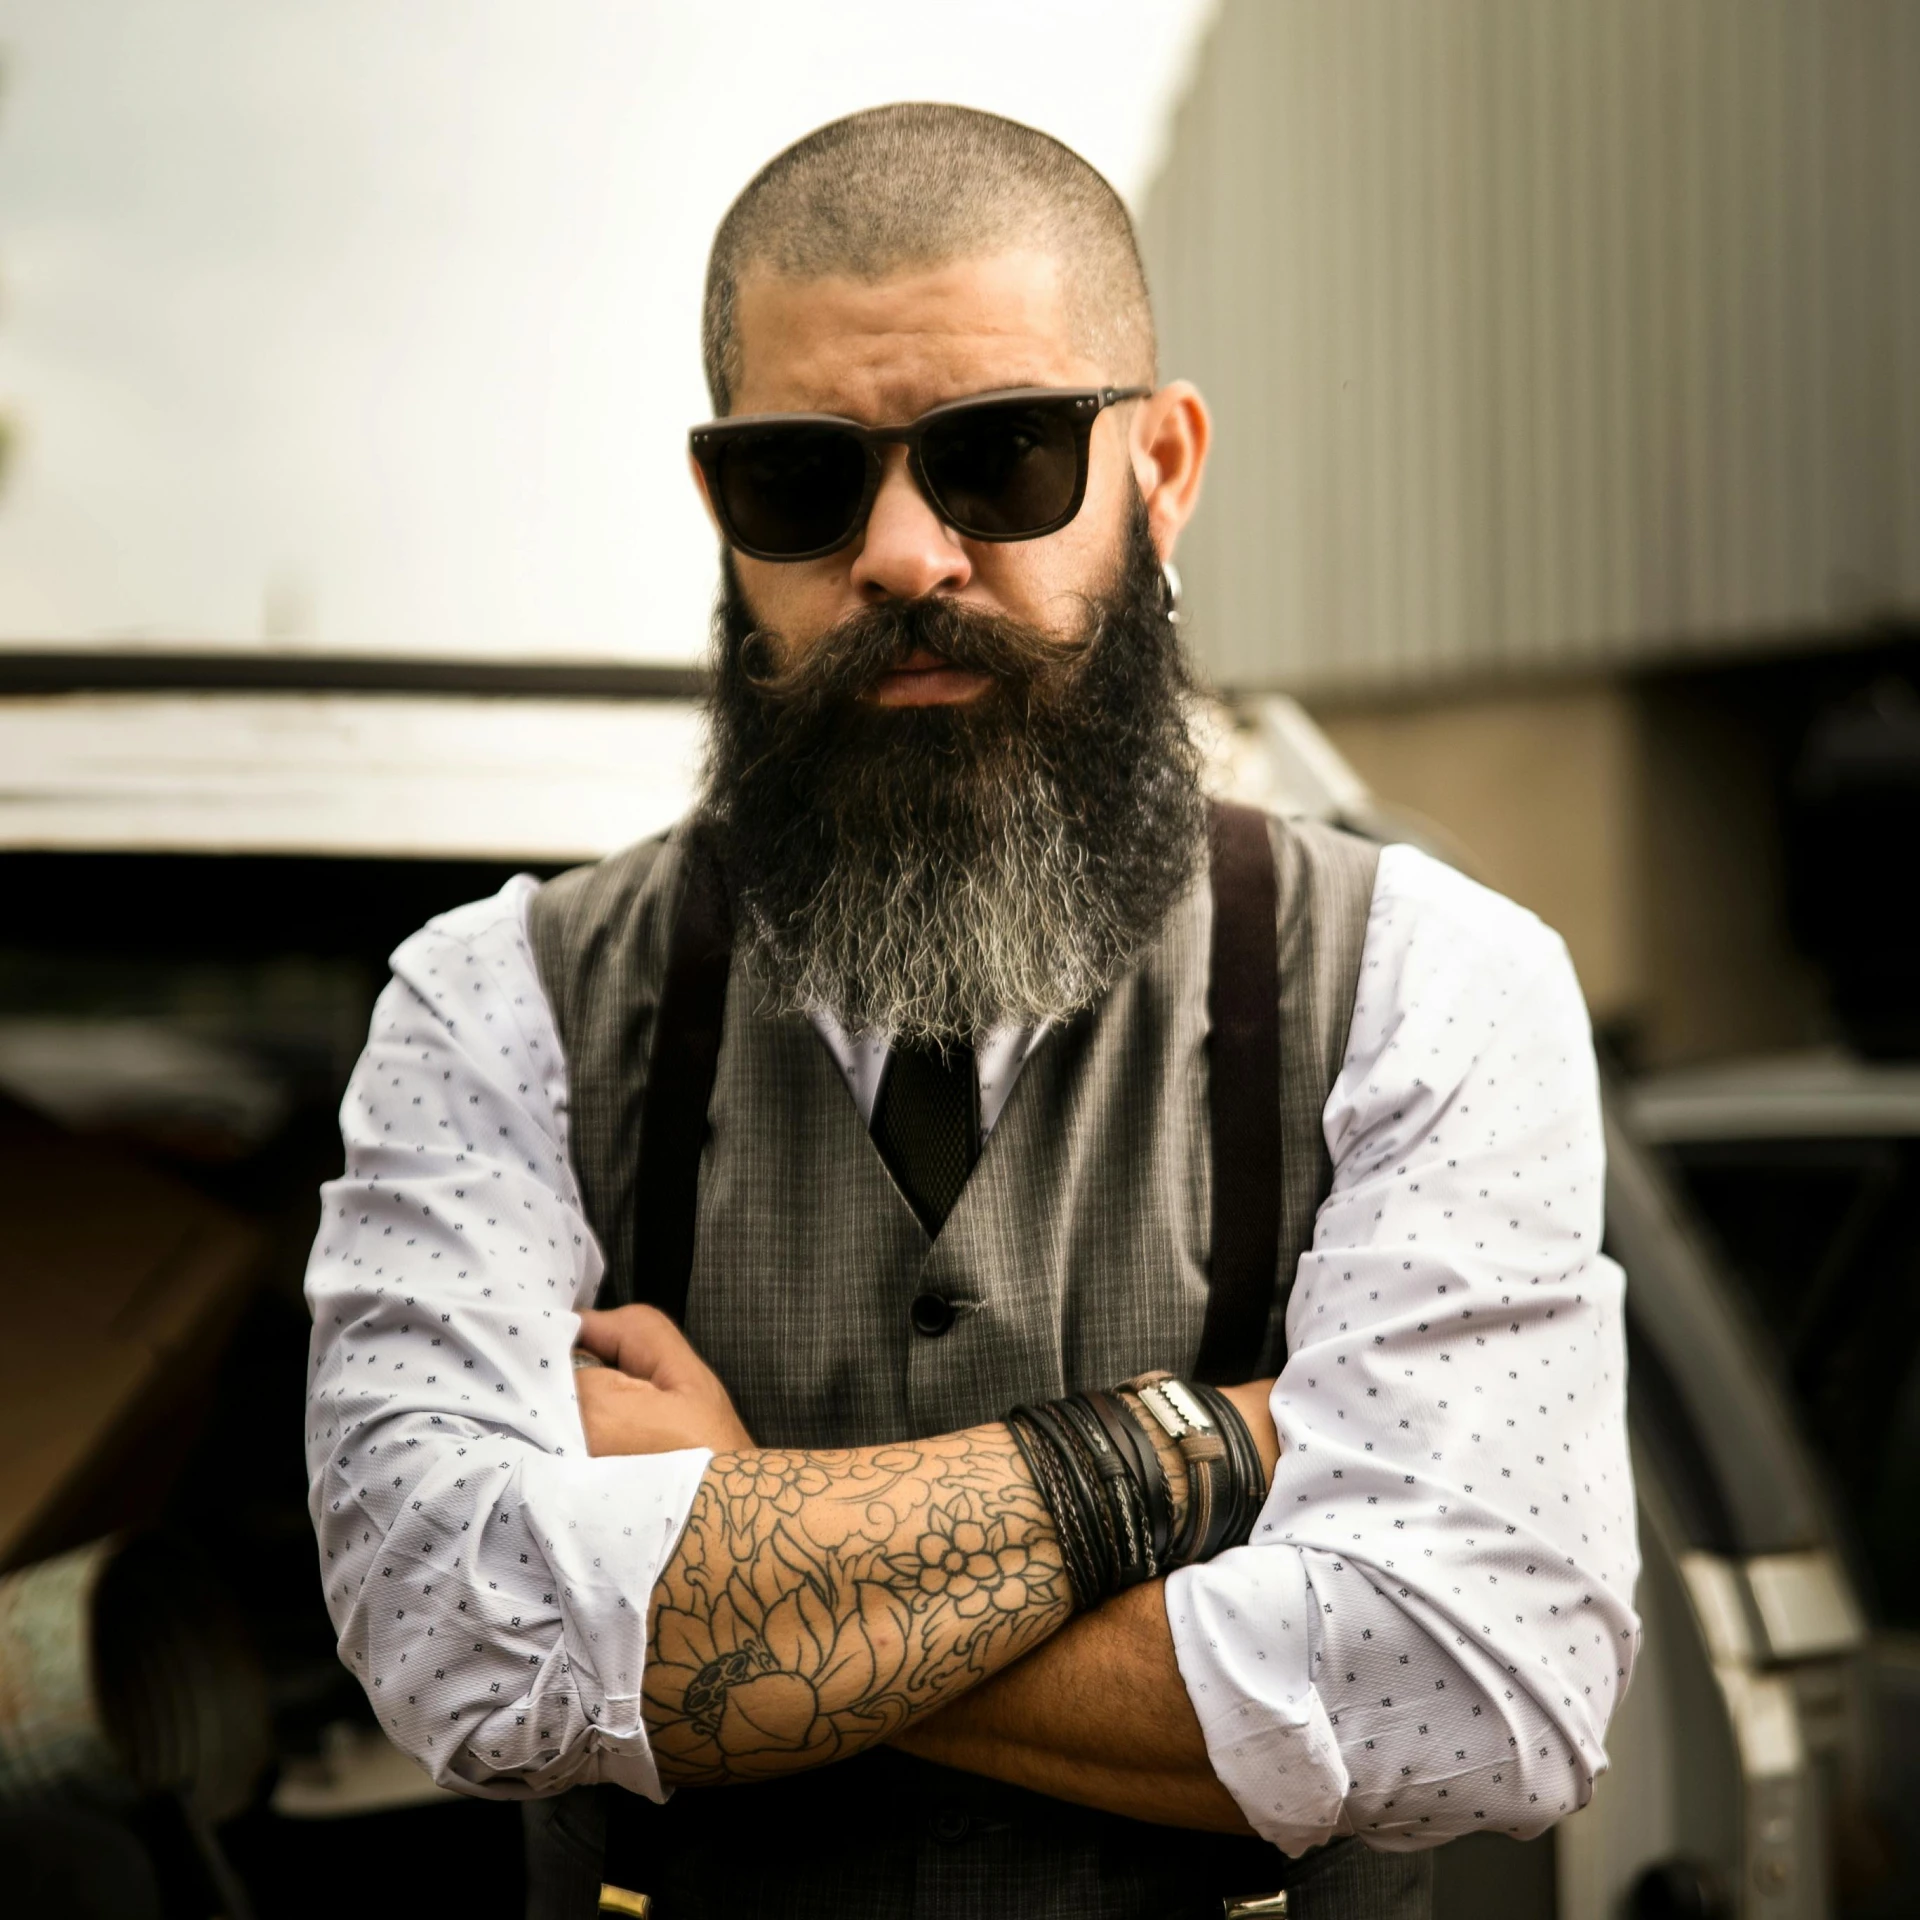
<point x="791" y="490"/>
<point x="1003" y="470"/>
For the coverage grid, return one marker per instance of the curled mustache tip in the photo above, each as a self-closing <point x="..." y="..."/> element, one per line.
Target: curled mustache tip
<point x="760" y="658"/>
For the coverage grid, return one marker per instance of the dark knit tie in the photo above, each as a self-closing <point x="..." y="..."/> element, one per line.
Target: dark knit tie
<point x="926" y="1124"/>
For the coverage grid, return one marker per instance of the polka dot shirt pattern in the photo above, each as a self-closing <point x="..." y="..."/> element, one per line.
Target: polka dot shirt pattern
<point x="1432" y="1622"/>
<point x="488" y="1579"/>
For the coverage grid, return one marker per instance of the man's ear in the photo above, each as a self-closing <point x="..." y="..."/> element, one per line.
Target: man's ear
<point x="1170" y="437"/>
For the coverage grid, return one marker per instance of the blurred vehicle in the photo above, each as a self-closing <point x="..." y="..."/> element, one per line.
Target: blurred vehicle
<point x="1805" y="1170"/>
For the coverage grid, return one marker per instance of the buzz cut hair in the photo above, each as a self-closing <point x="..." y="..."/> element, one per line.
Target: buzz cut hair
<point x="919" y="184"/>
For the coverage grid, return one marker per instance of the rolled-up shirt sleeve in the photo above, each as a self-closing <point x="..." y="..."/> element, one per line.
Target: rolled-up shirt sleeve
<point x="488" y="1579"/>
<point x="1432" y="1622"/>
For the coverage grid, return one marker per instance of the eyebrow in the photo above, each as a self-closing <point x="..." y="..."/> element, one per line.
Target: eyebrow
<point x="1001" y="383"/>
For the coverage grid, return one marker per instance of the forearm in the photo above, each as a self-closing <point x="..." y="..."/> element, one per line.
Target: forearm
<point x="821" y="1602"/>
<point x="1098" y="1715"/>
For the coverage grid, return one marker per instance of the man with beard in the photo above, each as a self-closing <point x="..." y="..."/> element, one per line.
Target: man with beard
<point x="961" y="1124"/>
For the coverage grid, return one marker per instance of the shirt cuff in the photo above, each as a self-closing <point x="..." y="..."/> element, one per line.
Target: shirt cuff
<point x="617" y="1522"/>
<point x="1243" y="1633"/>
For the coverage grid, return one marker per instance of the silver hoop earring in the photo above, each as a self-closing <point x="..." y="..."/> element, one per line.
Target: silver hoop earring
<point x="1171" y="574"/>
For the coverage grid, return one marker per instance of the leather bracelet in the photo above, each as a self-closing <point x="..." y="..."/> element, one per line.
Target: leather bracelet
<point x="1104" y="1499"/>
<point x="1094" y="1463"/>
<point x="1131" y="1532"/>
<point x="1163" y="1517"/>
<point x="1136" y="1443"/>
<point x="1104" y="1510"/>
<point x="1080" y="1503"/>
<point x="1249" y="1477"/>
<point x="1053" y="1476"/>
<point x="1225" y="1488"/>
<point x="1199" y="1448"/>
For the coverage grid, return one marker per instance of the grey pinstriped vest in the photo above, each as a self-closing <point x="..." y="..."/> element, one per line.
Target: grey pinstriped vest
<point x="1076" y="1255"/>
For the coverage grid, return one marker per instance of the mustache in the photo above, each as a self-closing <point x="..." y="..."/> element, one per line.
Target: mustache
<point x="850" y="658"/>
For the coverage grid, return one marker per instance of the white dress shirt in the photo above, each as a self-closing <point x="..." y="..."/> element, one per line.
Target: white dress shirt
<point x="1432" y="1622"/>
<point x="997" y="1061"/>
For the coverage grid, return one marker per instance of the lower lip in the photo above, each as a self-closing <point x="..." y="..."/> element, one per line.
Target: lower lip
<point x="928" y="687"/>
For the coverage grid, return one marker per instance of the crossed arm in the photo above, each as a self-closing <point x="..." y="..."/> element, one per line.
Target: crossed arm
<point x="823" y="1602"/>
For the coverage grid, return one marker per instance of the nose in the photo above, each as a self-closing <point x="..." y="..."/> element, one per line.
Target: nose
<point x="907" y="551"/>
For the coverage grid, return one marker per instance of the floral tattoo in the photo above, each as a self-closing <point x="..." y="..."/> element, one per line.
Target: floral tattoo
<point x="820" y="1601"/>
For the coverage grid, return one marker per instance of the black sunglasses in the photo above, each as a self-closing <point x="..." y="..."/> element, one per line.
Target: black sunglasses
<point x="996" y="466"/>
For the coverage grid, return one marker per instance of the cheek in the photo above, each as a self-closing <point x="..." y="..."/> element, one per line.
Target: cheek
<point x="1046" y="583"/>
<point x="1113" y="489"/>
<point x="1023" y="578"/>
<point x="799" y="602"/>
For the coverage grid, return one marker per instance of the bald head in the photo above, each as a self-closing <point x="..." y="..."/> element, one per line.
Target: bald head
<point x="914" y="186"/>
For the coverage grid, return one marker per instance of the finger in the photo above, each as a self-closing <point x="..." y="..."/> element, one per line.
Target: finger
<point x="621" y="1415"/>
<point x="600" y="1335"/>
<point x="668" y="1355"/>
<point x="624" y="1337"/>
<point x="639" y="1340"/>
<point x="598" y="1385"/>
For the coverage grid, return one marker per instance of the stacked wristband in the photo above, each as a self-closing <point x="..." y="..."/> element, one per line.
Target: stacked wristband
<point x="1225" y="1484"/>
<point x="1096" y="1466"/>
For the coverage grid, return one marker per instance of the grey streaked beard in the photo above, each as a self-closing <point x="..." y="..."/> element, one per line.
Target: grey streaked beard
<point x="928" y="874"/>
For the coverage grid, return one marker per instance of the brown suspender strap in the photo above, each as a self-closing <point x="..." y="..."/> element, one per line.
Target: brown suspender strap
<point x="680" y="1070"/>
<point x="1243" y="1095"/>
<point x="1243" y="1078"/>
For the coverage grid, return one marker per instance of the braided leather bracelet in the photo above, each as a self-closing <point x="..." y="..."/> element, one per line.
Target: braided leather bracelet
<point x="1070" y="1499"/>
<point x="1131" y="1533"/>
<point x="1132" y="1438"/>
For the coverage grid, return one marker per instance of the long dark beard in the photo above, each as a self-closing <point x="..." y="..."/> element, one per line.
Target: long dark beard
<point x="930" y="873"/>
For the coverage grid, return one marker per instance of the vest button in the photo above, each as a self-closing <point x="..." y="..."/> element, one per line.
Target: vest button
<point x="931" y="1314"/>
<point x="950" y="1824"/>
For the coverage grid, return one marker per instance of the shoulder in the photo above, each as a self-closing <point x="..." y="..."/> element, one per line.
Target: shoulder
<point x="1323" y="870"/>
<point x="490" y="933"/>
<point x="1448" y="967"/>
<point x="603" y="929"/>
<point x="1319" y="843"/>
<point x="466" y="1007"/>
<point x="1425" y="910"/>
<point x="604" y="889"/>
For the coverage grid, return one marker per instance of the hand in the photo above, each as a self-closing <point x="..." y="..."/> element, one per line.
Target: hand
<point x="654" y="1394"/>
<point x="1251" y="1399"/>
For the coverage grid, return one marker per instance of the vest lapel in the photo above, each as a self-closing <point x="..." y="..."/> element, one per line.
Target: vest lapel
<point x="1077" y="1252"/>
<point x="806" y="1251"/>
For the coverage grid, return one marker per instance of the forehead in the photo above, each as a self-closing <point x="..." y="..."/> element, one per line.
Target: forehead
<point x="883" y="351"/>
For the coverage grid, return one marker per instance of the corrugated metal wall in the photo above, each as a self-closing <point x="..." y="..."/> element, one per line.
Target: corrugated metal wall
<point x="1544" y="332"/>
